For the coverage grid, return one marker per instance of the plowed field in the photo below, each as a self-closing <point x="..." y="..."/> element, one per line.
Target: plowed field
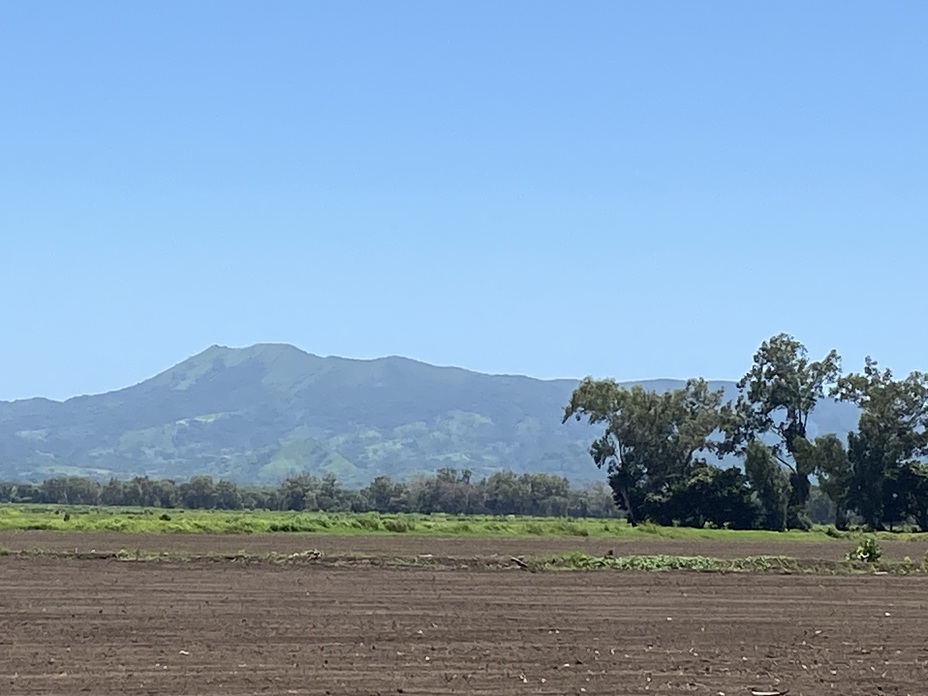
<point x="107" y="626"/>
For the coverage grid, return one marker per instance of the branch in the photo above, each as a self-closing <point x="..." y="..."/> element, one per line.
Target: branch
<point x="783" y="461"/>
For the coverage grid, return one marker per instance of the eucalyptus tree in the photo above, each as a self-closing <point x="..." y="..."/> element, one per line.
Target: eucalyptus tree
<point x="888" y="480"/>
<point x="651" y="441"/>
<point x="776" y="398"/>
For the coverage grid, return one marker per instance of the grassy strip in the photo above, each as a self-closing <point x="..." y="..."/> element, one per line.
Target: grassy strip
<point x="750" y="564"/>
<point x="575" y="561"/>
<point x="158" y="521"/>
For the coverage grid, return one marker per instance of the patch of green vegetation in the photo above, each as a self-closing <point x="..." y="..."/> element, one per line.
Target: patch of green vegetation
<point x="867" y="551"/>
<point x="662" y="562"/>
<point x="15" y="517"/>
<point x="566" y="562"/>
<point x="750" y="564"/>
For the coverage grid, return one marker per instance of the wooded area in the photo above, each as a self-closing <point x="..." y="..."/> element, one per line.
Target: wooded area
<point x="656" y="448"/>
<point x="448" y="491"/>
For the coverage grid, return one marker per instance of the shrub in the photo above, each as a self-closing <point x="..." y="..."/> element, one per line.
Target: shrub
<point x="867" y="551"/>
<point x="165" y="517"/>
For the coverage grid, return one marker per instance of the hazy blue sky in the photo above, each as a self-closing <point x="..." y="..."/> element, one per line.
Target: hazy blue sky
<point x="556" y="189"/>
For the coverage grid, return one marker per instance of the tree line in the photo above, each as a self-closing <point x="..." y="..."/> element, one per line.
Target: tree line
<point x="449" y="491"/>
<point x="657" y="447"/>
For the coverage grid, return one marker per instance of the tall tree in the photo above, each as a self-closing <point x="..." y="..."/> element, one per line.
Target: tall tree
<point x="777" y="396"/>
<point x="650" y="440"/>
<point x="383" y="494"/>
<point x="227" y="496"/>
<point x="828" y="458"/>
<point x="770" y="484"/>
<point x="884" y="454"/>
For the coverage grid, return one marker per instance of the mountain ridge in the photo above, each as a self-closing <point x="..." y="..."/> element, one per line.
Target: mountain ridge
<point x="259" y="413"/>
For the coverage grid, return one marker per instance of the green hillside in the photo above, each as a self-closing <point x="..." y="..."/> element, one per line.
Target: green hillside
<point x="260" y="413"/>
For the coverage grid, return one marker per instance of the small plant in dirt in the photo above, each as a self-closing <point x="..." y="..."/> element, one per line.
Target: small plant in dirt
<point x="867" y="551"/>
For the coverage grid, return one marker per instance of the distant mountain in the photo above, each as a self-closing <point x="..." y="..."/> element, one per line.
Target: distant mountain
<point x="258" y="414"/>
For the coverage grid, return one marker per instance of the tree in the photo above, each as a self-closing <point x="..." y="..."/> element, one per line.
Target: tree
<point x="198" y="493"/>
<point x="776" y="397"/>
<point x="113" y="493"/>
<point x="449" y="491"/>
<point x="506" y="494"/>
<point x="917" y="489"/>
<point x="707" y="495"/>
<point x="331" y="496"/>
<point x="299" y="492"/>
<point x="770" y="484"/>
<point x="547" y="495"/>
<point x="892" y="435"/>
<point x="828" y="458"/>
<point x="227" y="496"/>
<point x="385" y="495"/>
<point x="650" y="440"/>
<point x="593" y="501"/>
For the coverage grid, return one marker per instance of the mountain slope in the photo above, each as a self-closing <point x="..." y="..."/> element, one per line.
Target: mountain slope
<point x="260" y="413"/>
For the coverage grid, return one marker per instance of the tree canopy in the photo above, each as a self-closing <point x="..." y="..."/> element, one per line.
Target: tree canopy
<point x="655" y="447"/>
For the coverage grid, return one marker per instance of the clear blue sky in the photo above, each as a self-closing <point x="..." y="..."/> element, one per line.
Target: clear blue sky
<point x="555" y="189"/>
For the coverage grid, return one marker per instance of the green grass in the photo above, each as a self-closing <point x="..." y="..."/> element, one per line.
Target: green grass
<point x="156" y="520"/>
<point x="662" y="562"/>
<point x="564" y="562"/>
<point x="749" y="564"/>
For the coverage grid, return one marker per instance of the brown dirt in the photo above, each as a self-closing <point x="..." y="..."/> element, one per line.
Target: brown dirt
<point x="108" y="627"/>
<point x="463" y="547"/>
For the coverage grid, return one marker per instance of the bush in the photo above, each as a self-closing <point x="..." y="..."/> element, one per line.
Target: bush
<point x="867" y="551"/>
<point x="165" y="517"/>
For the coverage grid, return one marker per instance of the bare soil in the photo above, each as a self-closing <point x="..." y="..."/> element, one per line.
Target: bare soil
<point x="72" y="626"/>
<point x="461" y="547"/>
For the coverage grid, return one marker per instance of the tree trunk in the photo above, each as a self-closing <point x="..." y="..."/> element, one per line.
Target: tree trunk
<point x="631" y="517"/>
<point x="841" y="519"/>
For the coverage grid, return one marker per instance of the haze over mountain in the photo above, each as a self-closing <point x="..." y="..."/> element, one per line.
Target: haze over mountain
<point x="257" y="414"/>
